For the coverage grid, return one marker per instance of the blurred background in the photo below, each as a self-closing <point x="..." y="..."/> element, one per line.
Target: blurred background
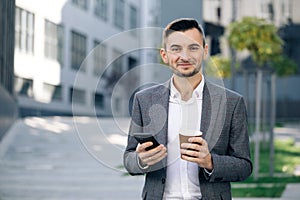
<point x="44" y="43"/>
<point x="82" y="61"/>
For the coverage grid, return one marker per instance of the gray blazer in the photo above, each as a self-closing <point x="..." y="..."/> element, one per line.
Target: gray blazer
<point x="224" y="126"/>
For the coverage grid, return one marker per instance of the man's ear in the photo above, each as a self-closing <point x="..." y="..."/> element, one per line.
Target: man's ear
<point x="205" y="52"/>
<point x="163" y="55"/>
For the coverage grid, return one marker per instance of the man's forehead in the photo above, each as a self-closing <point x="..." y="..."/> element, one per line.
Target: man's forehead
<point x="186" y="37"/>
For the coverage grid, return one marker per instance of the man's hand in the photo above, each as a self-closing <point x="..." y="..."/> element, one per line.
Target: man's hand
<point x="197" y="151"/>
<point x="151" y="156"/>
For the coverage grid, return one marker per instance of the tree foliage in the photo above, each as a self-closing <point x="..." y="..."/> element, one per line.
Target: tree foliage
<point x="284" y="66"/>
<point x="261" y="39"/>
<point x="218" y="67"/>
<point x="258" y="36"/>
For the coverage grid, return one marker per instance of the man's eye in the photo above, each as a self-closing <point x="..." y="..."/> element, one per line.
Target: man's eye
<point x="195" y="48"/>
<point x="175" y="49"/>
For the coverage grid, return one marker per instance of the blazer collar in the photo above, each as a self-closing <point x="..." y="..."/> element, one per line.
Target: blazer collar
<point x="213" y="113"/>
<point x="160" y="102"/>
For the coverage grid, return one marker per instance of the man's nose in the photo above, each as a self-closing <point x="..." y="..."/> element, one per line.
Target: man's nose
<point x="184" y="55"/>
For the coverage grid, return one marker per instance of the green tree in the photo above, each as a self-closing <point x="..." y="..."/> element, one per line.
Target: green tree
<point x="284" y="66"/>
<point x="256" y="35"/>
<point x="262" y="41"/>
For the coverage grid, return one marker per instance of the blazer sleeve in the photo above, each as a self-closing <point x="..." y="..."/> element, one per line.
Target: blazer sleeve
<point x="130" y="157"/>
<point x="235" y="164"/>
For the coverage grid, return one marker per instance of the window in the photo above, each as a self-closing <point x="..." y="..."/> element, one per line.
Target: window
<point x="133" y="17"/>
<point x="119" y="14"/>
<point x="100" y="56"/>
<point x="286" y="10"/>
<point x="117" y="105"/>
<point x="24" y="87"/>
<point x="99" y="100"/>
<point x="132" y="62"/>
<point x="267" y="10"/>
<point x="78" y="50"/>
<point x="101" y="9"/>
<point x="77" y="96"/>
<point x="53" y="41"/>
<point x="24" y="30"/>
<point x="54" y="90"/>
<point x="115" y="72"/>
<point x="83" y="4"/>
<point x="117" y="61"/>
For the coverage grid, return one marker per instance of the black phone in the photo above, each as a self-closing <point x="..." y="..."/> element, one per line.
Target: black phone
<point x="146" y="137"/>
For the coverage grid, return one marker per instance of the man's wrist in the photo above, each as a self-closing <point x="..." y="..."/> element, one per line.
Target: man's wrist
<point x="209" y="166"/>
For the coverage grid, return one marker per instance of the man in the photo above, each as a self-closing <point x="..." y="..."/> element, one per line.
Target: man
<point x="204" y="167"/>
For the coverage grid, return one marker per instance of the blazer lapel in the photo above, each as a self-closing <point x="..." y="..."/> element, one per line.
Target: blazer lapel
<point x="206" y="111"/>
<point x="213" y="113"/>
<point x="160" y="109"/>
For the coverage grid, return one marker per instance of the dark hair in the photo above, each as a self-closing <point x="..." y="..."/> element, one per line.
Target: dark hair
<point x="182" y="24"/>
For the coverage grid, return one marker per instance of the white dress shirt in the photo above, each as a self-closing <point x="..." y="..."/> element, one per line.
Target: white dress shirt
<point x="182" y="180"/>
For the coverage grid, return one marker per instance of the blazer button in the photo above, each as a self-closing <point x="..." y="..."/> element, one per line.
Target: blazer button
<point x="163" y="180"/>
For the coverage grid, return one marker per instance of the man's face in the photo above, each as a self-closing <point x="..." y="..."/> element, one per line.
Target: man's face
<point x="184" y="52"/>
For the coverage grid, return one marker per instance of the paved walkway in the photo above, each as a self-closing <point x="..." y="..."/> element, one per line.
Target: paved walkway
<point x="55" y="158"/>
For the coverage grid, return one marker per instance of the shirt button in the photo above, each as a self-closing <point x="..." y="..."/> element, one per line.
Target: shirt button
<point x="163" y="180"/>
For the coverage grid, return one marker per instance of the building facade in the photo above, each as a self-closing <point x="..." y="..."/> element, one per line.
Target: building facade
<point x="223" y="12"/>
<point x="88" y="57"/>
<point x="63" y="52"/>
<point x="284" y="15"/>
<point x="8" y="108"/>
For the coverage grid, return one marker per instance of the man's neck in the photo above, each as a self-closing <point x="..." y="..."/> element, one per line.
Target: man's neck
<point x="186" y="85"/>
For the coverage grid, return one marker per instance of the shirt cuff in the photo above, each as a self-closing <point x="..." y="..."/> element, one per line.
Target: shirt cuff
<point x="140" y="165"/>
<point x="208" y="172"/>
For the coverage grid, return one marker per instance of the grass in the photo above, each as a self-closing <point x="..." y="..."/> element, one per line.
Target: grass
<point x="287" y="156"/>
<point x="258" y="192"/>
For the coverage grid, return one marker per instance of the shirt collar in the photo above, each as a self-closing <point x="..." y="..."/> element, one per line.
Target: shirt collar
<point x="197" y="93"/>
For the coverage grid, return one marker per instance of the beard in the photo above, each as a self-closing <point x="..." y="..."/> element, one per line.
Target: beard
<point x="186" y="75"/>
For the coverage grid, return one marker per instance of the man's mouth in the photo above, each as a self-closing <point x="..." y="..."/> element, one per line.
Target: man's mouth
<point x="184" y="65"/>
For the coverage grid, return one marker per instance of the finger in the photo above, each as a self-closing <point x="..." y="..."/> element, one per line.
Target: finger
<point x="193" y="146"/>
<point x="190" y="159"/>
<point x="139" y="148"/>
<point x="189" y="152"/>
<point x="159" y="154"/>
<point x="155" y="153"/>
<point x="155" y="159"/>
<point x="150" y="158"/>
<point x="155" y="150"/>
<point x="145" y="145"/>
<point x="199" y="140"/>
<point x="144" y="155"/>
<point x="193" y="153"/>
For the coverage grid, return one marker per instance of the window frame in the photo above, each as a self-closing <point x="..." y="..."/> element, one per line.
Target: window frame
<point x="24" y="30"/>
<point x="78" y="50"/>
<point x="53" y="42"/>
<point x="101" y="9"/>
<point x="119" y="14"/>
<point x="82" y="4"/>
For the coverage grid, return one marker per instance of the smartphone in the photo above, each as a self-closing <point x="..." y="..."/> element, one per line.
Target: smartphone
<point x="146" y="137"/>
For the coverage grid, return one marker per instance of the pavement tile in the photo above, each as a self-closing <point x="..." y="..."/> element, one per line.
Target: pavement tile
<point x="53" y="158"/>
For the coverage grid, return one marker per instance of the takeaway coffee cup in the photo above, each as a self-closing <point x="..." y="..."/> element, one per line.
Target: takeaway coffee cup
<point x="184" y="135"/>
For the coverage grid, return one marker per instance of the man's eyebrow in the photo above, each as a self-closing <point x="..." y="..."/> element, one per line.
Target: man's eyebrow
<point x="195" y="44"/>
<point x="175" y="45"/>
